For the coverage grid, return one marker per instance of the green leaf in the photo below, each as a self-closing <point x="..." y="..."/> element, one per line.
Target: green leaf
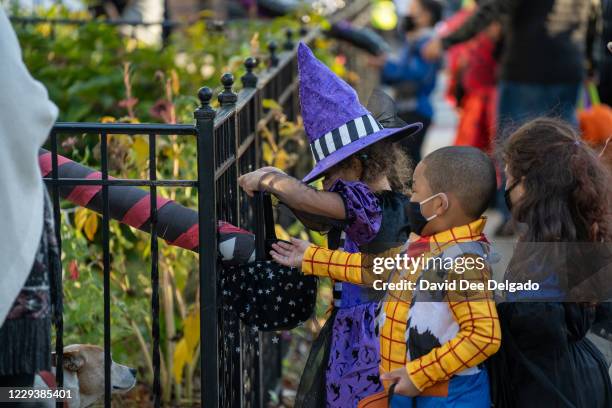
<point x="271" y="104"/>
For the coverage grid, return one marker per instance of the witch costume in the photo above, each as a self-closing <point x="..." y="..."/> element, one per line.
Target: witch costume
<point x="343" y="366"/>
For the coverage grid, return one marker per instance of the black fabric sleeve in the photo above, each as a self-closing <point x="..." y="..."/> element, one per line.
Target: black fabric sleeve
<point x="593" y="36"/>
<point x="535" y="325"/>
<point x="605" y="67"/>
<point x="487" y="12"/>
<point x="316" y="222"/>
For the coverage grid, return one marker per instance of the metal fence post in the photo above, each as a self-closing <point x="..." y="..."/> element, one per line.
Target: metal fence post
<point x="58" y="315"/>
<point x="288" y="45"/>
<point x="207" y="219"/>
<point x="227" y="97"/>
<point x="249" y="79"/>
<point x="273" y="61"/>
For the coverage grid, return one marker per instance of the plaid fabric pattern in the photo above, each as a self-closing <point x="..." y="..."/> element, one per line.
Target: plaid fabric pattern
<point x="472" y="314"/>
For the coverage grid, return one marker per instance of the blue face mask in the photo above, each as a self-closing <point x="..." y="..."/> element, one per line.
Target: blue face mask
<point x="416" y="217"/>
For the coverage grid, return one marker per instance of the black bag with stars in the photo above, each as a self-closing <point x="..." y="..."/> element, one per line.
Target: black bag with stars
<point x="263" y="294"/>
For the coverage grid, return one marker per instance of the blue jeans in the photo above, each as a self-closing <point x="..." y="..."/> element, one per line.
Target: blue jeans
<point x="520" y="102"/>
<point x="464" y="391"/>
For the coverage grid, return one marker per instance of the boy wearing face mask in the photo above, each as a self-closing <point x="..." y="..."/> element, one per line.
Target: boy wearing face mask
<point x="432" y="342"/>
<point x="412" y="77"/>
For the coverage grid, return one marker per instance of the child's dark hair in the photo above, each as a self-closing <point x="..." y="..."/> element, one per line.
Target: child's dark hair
<point x="385" y="159"/>
<point x="434" y="8"/>
<point x="567" y="188"/>
<point x="465" y="171"/>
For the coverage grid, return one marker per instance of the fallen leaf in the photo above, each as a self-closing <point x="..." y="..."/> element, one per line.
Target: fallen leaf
<point x="91" y="226"/>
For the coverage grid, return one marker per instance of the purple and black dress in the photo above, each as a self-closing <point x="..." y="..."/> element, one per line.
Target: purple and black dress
<point x="343" y="365"/>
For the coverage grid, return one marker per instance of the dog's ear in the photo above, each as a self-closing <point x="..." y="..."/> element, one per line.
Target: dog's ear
<point x="73" y="360"/>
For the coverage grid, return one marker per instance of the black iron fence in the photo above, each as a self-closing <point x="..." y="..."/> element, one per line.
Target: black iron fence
<point x="228" y="144"/>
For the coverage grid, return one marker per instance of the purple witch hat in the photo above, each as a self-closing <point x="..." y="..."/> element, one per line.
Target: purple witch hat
<point x="336" y="123"/>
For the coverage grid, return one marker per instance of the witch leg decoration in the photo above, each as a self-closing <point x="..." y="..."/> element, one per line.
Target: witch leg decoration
<point x="177" y="224"/>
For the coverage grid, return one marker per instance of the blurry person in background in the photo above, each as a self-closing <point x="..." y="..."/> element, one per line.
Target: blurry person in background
<point x="29" y="255"/>
<point x="543" y="63"/>
<point x="146" y="11"/>
<point x="605" y="67"/>
<point x="149" y="12"/>
<point x="472" y="70"/>
<point x="454" y="56"/>
<point x="412" y="77"/>
<point x="453" y="6"/>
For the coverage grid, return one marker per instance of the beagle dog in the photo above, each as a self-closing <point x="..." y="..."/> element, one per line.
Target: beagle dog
<point x="84" y="376"/>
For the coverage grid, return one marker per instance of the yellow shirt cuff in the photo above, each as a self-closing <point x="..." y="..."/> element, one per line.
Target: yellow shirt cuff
<point x="307" y="264"/>
<point x="418" y="378"/>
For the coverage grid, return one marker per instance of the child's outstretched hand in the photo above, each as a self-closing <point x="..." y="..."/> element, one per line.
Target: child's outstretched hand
<point x="289" y="254"/>
<point x="251" y="182"/>
<point x="403" y="384"/>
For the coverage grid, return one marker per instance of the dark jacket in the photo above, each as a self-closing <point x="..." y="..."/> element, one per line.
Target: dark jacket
<point x="544" y="39"/>
<point x="545" y="359"/>
<point x="605" y="68"/>
<point x="413" y="76"/>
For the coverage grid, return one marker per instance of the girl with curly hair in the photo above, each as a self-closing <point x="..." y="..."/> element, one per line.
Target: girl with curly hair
<point x="559" y="193"/>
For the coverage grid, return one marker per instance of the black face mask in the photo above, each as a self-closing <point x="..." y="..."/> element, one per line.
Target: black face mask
<point x="409" y="24"/>
<point x="507" y="195"/>
<point x="416" y="218"/>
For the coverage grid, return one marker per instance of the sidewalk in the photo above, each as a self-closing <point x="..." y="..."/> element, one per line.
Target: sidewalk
<point x="442" y="131"/>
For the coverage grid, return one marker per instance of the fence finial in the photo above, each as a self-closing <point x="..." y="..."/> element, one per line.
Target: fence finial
<point x="288" y="46"/>
<point x="249" y="80"/>
<point x="227" y="97"/>
<point x="218" y="25"/>
<point x="205" y="111"/>
<point x="303" y="29"/>
<point x="273" y="58"/>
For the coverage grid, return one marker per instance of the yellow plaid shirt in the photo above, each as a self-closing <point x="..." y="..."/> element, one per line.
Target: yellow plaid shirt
<point x="477" y="334"/>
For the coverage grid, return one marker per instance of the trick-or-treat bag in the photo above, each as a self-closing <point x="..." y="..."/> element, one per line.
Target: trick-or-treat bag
<point x="264" y="294"/>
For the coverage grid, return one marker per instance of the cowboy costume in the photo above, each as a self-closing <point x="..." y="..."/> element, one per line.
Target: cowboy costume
<point x="440" y="338"/>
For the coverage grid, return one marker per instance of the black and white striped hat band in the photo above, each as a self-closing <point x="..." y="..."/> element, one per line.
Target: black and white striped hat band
<point x="343" y="136"/>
